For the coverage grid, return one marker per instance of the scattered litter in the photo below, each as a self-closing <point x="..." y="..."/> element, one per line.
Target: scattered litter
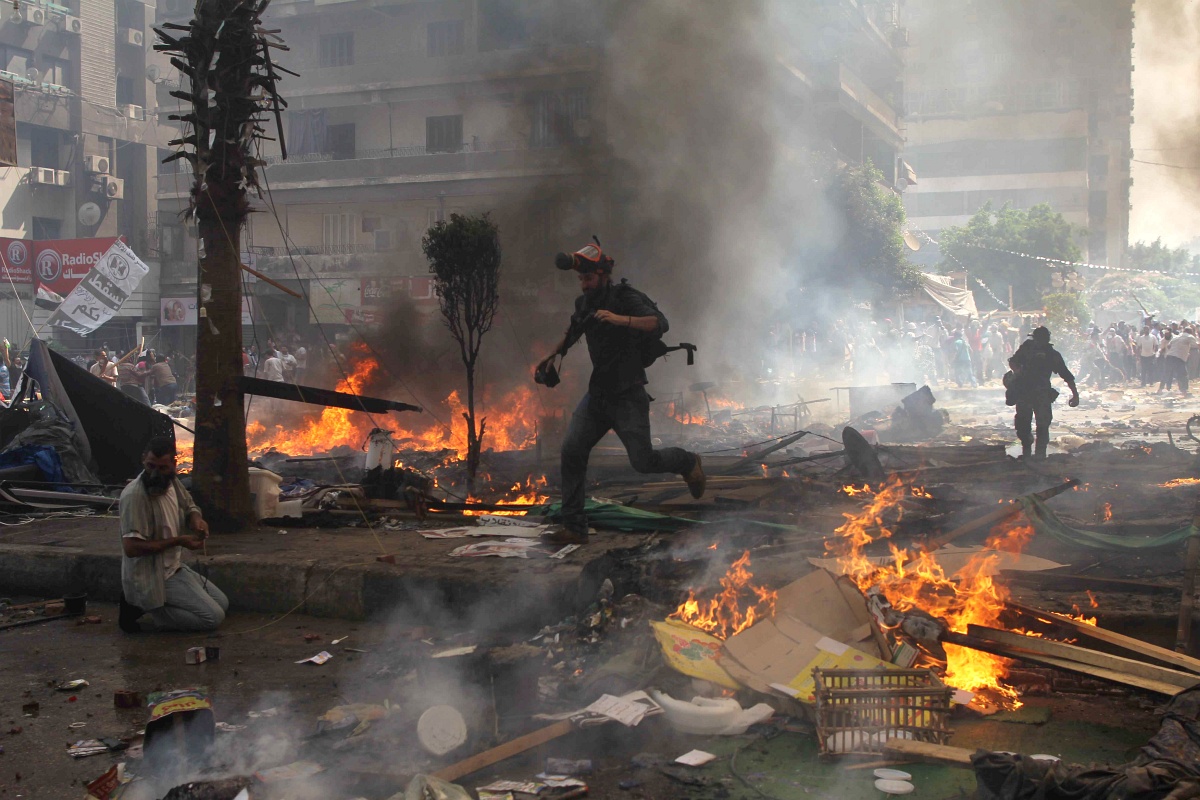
<point x="351" y="715"/>
<point x="89" y="620"/>
<point x="198" y="655"/>
<point x="567" y="766"/>
<point x="31" y="709"/>
<point x="289" y="772"/>
<point x="76" y="725"/>
<point x="560" y="781"/>
<point x="353" y="650"/>
<point x="67" y="686"/>
<point x="526" y="787"/>
<point x="312" y="637"/>
<point x="457" y="651"/>
<point x="339" y="641"/>
<point x="614" y="708"/>
<point x="510" y="548"/>
<point x="695" y="758"/>
<point x="711" y="716"/>
<point x="493" y="529"/>
<point x="87" y="747"/>
<point x="894" y="787"/>
<point x="441" y="729"/>
<point x="107" y="784"/>
<point x="892" y="774"/>
<point x="266" y="712"/>
<point x="319" y="658"/>
<point x="124" y="698"/>
<point x="507" y="521"/>
<point x="427" y="787"/>
<point x="225" y="727"/>
<point x="566" y="550"/>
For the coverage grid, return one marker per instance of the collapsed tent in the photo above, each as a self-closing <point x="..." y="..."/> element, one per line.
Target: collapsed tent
<point x="110" y="428"/>
<point x="960" y="302"/>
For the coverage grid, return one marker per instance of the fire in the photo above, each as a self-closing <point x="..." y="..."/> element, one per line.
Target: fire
<point x="723" y="615"/>
<point x="1175" y="483"/>
<point x="511" y="421"/>
<point x="527" y="495"/>
<point x="1106" y="511"/>
<point x="917" y="581"/>
<point x="854" y="491"/>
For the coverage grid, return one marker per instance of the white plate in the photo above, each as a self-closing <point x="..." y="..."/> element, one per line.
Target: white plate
<point x="894" y="787"/>
<point x="441" y="729"/>
<point x="893" y="775"/>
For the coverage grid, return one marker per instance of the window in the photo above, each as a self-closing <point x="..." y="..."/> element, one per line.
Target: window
<point x="47" y="228"/>
<point x="16" y="60"/>
<point x="383" y="241"/>
<point x="444" y="134"/>
<point x="43" y="147"/>
<point x="339" y="140"/>
<point x="130" y="14"/>
<point x="445" y="38"/>
<point x="339" y="230"/>
<point x="56" y="70"/>
<point x="125" y="91"/>
<point x="557" y="117"/>
<point x="502" y="25"/>
<point x="337" y="49"/>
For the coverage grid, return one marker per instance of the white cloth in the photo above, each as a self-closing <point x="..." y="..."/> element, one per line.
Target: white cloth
<point x="289" y="363"/>
<point x="301" y="358"/>
<point x="273" y="369"/>
<point x="1181" y="346"/>
<point x="1147" y="344"/>
<point x="961" y="302"/>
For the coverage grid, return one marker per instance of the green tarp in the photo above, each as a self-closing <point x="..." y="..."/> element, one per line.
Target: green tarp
<point x="1046" y="521"/>
<point x="613" y="516"/>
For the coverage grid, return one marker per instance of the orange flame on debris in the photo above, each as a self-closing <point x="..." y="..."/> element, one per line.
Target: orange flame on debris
<point x="723" y="615"/>
<point x="915" y="580"/>
<point x="853" y="491"/>
<point x="1106" y="511"/>
<point x="527" y="495"/>
<point x="511" y="420"/>
<point x="1175" y="483"/>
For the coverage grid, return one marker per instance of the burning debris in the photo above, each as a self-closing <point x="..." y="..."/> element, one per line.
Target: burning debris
<point x="735" y="608"/>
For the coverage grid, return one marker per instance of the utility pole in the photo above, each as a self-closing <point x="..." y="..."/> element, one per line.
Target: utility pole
<point x="226" y="56"/>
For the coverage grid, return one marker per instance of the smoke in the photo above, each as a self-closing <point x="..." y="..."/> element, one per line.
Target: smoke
<point x="1166" y="86"/>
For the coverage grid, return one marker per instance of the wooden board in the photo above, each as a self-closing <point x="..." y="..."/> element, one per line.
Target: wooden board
<point x="1083" y="655"/>
<point x="507" y="750"/>
<point x="929" y="753"/>
<point x="1162" y="654"/>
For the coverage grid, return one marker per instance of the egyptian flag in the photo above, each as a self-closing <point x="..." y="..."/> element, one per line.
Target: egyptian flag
<point x="47" y="299"/>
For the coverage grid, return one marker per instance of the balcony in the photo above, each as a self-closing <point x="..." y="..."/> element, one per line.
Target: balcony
<point x="838" y="86"/>
<point x="333" y="261"/>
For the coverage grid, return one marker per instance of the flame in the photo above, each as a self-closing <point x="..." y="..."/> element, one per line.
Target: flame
<point x="917" y="580"/>
<point x="527" y="495"/>
<point x="723" y="615"/>
<point x="1107" y="512"/>
<point x="511" y="421"/>
<point x="1175" y="483"/>
<point x="854" y="490"/>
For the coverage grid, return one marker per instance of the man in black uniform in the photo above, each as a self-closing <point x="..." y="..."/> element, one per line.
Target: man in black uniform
<point x="618" y="322"/>
<point x="1028" y="388"/>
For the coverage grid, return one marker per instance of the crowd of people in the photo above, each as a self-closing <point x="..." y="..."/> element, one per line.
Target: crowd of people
<point x="148" y="377"/>
<point x="945" y="352"/>
<point x="276" y="361"/>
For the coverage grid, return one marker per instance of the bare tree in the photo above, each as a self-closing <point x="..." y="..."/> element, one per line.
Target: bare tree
<point x="464" y="257"/>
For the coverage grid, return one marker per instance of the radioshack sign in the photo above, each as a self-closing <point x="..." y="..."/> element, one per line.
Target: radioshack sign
<point x="57" y="264"/>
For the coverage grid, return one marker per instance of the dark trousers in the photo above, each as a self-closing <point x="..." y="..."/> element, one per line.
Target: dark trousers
<point x="1043" y="410"/>
<point x="629" y="415"/>
<point x="137" y="392"/>
<point x="1174" y="368"/>
<point x="165" y="395"/>
<point x="1147" y="369"/>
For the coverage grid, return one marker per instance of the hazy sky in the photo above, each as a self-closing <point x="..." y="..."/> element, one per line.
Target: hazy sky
<point x="1166" y="128"/>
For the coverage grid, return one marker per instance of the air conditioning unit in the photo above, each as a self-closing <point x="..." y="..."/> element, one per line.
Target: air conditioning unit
<point x="96" y="165"/>
<point x="131" y="36"/>
<point x="113" y="188"/>
<point x="33" y="15"/>
<point x="62" y="177"/>
<point x="69" y="24"/>
<point x="41" y="175"/>
<point x="133" y="112"/>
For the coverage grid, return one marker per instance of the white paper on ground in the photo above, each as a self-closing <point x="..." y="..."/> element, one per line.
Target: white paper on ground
<point x="457" y="651"/>
<point x="319" y="658"/>
<point x="695" y="758"/>
<point x="623" y="711"/>
<point x="528" y="787"/>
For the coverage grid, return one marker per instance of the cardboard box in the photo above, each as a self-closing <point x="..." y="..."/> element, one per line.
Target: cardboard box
<point x="820" y="621"/>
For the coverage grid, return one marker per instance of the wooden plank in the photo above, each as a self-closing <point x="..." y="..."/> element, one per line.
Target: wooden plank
<point x="1083" y="655"/>
<point x="1112" y="676"/>
<point x="996" y="516"/>
<point x="929" y="753"/>
<point x="504" y="751"/>
<point x="1162" y="654"/>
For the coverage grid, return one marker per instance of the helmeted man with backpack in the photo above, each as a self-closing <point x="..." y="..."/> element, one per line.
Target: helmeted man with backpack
<point x="1027" y="386"/>
<point x="623" y="328"/>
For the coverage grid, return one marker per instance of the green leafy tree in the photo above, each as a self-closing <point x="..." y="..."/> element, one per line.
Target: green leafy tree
<point x="464" y="257"/>
<point x="871" y="252"/>
<point x="1117" y="294"/>
<point x="984" y="245"/>
<point x="1066" y="311"/>
<point x="1157" y="256"/>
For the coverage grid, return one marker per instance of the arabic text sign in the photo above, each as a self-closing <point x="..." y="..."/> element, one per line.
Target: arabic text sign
<point x="102" y="292"/>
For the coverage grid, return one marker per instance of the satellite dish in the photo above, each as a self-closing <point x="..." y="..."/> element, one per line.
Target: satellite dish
<point x="153" y="73"/>
<point x="89" y="214"/>
<point x="33" y="75"/>
<point x="912" y="241"/>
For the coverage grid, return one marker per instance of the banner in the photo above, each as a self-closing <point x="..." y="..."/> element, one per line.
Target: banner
<point x="174" y="311"/>
<point x="102" y="292"/>
<point x="60" y="264"/>
<point x="17" y="262"/>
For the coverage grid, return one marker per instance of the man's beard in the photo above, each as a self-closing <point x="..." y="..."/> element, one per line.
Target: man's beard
<point x="156" y="483"/>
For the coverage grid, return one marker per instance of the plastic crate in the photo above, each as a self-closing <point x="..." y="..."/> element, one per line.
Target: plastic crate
<point x="858" y="710"/>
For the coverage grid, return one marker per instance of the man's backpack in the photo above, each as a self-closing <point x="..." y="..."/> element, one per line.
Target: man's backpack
<point x="651" y="344"/>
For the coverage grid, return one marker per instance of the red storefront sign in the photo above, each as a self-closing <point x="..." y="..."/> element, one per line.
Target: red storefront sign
<point x="16" y="260"/>
<point x="60" y="264"/>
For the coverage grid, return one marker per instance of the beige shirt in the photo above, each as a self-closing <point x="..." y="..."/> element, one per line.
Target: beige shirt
<point x="166" y="510"/>
<point x="161" y="375"/>
<point x="108" y="372"/>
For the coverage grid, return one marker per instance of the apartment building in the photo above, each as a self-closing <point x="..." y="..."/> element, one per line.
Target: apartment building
<point x="85" y="146"/>
<point x="1021" y="102"/>
<point x="406" y="112"/>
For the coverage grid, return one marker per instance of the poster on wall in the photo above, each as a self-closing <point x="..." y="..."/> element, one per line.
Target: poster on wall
<point x="16" y="260"/>
<point x="100" y="294"/>
<point x="177" y="311"/>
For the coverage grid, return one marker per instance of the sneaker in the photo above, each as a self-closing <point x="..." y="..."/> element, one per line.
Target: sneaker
<point x="127" y="617"/>
<point x="696" y="479"/>
<point x="560" y="534"/>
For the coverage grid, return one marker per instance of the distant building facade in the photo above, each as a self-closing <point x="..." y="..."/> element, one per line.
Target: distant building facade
<point x="1021" y="102"/>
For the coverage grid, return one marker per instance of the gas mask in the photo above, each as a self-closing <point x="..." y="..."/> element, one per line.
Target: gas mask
<point x="155" y="481"/>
